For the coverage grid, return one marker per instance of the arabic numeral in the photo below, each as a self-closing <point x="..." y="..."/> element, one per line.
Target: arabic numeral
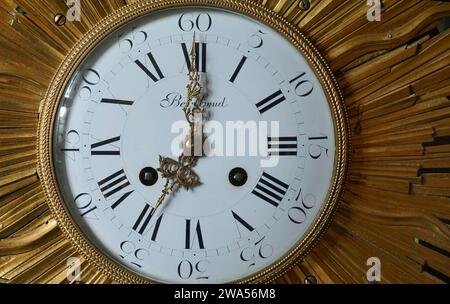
<point x="186" y="269"/>
<point x="73" y="138"/>
<point x="302" y="87"/>
<point x="308" y="201"/>
<point x="84" y="203"/>
<point x="202" y="22"/>
<point x="317" y="147"/>
<point x="126" y="45"/>
<point x="92" y="78"/>
<point x="297" y="214"/>
<point x="256" y="41"/>
<point x="127" y="41"/>
<point x="132" y="253"/>
<point x="85" y="92"/>
<point x="139" y="37"/>
<point x="250" y="255"/>
<point x="71" y="144"/>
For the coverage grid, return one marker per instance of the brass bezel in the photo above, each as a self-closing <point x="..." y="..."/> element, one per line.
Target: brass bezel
<point x="129" y="13"/>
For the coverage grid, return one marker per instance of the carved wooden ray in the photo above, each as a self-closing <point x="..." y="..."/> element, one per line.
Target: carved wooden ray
<point x="395" y="78"/>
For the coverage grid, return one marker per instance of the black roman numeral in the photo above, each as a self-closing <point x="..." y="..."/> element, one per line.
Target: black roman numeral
<point x="200" y="59"/>
<point x="269" y="102"/>
<point x="143" y="221"/>
<point x="242" y="222"/>
<point x="121" y="199"/>
<point x="155" y="66"/>
<point x="105" y="143"/>
<point x="270" y="189"/>
<point x="283" y="146"/>
<point x="117" y="101"/>
<point x="238" y="69"/>
<point x="197" y="234"/>
<point x="113" y="183"/>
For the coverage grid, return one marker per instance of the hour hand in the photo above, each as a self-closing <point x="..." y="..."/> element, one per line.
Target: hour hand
<point x="180" y="172"/>
<point x="187" y="178"/>
<point x="168" y="167"/>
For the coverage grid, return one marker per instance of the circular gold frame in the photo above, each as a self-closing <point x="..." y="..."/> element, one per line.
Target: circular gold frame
<point x="121" y="17"/>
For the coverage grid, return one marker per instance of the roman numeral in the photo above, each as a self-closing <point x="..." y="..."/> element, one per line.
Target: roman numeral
<point x="117" y="102"/>
<point x="155" y="66"/>
<point x="143" y="221"/>
<point x="269" y="102"/>
<point x="270" y="189"/>
<point x="197" y="234"/>
<point x="238" y="69"/>
<point x="318" y="138"/>
<point x="200" y="59"/>
<point x="121" y="199"/>
<point x="113" y="183"/>
<point x="105" y="143"/>
<point x="242" y="222"/>
<point x="283" y="146"/>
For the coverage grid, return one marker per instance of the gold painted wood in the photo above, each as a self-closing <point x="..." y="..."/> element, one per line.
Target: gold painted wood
<point x="394" y="75"/>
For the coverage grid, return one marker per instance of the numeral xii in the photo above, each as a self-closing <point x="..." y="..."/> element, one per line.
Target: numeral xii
<point x="200" y="59"/>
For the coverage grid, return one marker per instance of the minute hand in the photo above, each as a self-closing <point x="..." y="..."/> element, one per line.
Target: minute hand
<point x="179" y="173"/>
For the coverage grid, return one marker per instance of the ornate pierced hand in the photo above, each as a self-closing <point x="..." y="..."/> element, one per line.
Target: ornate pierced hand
<point x="180" y="173"/>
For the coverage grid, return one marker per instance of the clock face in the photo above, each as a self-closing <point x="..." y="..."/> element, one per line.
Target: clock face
<point x="120" y="112"/>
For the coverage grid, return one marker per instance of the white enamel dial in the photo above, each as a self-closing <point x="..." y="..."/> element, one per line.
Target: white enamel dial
<point x="116" y="118"/>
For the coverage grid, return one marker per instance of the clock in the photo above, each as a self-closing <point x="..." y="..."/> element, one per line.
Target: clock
<point x="391" y="224"/>
<point x="111" y="112"/>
